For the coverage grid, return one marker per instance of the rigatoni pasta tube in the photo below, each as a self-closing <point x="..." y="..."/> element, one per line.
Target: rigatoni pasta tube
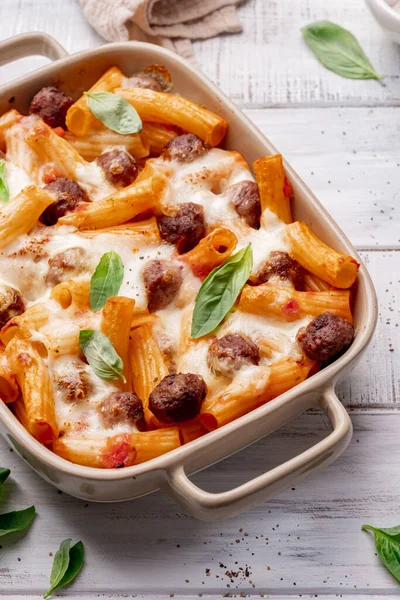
<point x="137" y="198"/>
<point x="147" y="366"/>
<point x="115" y="319"/>
<point x="251" y="390"/>
<point x="74" y="292"/>
<point x="340" y="270"/>
<point x="8" y="120"/>
<point x="271" y="179"/>
<point x="25" y="324"/>
<point x="176" y="110"/>
<point x="9" y="390"/>
<point x="157" y="136"/>
<point x="36" y="387"/>
<point x="286" y="304"/>
<point x="79" y="118"/>
<point x="95" y="143"/>
<point x="20" y="214"/>
<point x="211" y="251"/>
<point x="51" y="148"/>
<point x="122" y="450"/>
<point x="143" y="232"/>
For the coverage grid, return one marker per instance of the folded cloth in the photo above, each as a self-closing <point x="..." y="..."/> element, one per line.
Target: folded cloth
<point x="169" y="23"/>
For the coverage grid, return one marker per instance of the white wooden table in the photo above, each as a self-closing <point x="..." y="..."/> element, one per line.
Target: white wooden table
<point x="343" y="137"/>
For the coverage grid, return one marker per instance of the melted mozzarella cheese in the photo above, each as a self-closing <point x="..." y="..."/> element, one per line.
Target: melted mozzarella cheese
<point x="25" y="263"/>
<point x="17" y="179"/>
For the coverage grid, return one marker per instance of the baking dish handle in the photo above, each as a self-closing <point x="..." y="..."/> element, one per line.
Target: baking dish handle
<point x="209" y="506"/>
<point x="30" y="44"/>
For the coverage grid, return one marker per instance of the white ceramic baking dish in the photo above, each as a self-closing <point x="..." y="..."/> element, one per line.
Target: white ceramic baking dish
<point x="170" y="472"/>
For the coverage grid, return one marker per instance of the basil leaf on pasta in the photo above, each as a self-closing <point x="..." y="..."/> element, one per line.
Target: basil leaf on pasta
<point x="106" y="279"/>
<point x="114" y="112"/>
<point x="66" y="565"/>
<point x="219" y="292"/>
<point x="18" y="520"/>
<point x="4" y="191"/>
<point x="338" y="50"/>
<point x="101" y="355"/>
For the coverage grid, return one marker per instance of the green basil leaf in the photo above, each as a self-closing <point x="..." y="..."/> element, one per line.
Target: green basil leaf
<point x="16" y="520"/>
<point x="114" y="112"/>
<point x="338" y="50"/>
<point x="4" y="191"/>
<point x="219" y="292"/>
<point x="387" y="543"/>
<point x="4" y="473"/>
<point x="106" y="280"/>
<point x="101" y="355"/>
<point x="66" y="565"/>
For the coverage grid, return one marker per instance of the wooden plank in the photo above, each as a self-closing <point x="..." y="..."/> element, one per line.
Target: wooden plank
<point x="270" y="64"/>
<point x="350" y="159"/>
<point x="375" y="381"/>
<point x="267" y="65"/>
<point x="309" y="536"/>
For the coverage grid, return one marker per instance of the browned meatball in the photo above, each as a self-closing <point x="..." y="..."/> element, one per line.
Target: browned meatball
<point x="69" y="195"/>
<point x="185" y="228"/>
<point x="325" y="337"/>
<point x="178" y="397"/>
<point x="184" y="148"/>
<point x="281" y="264"/>
<point x="51" y="105"/>
<point x="123" y="407"/>
<point x="66" y="265"/>
<point x="119" y="167"/>
<point x="143" y="80"/>
<point x="162" y="280"/>
<point x="246" y="200"/>
<point x="74" y="384"/>
<point x="11" y="304"/>
<point x="230" y="353"/>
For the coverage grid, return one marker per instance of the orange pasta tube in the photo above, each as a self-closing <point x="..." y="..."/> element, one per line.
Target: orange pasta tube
<point x="18" y="151"/>
<point x="116" y="316"/>
<point x="8" y="120"/>
<point x="137" y="198"/>
<point x="9" y="390"/>
<point x="51" y="148"/>
<point x="176" y="110"/>
<point x="73" y="292"/>
<point x="93" y="144"/>
<point x="340" y="270"/>
<point x="245" y="394"/>
<point x="157" y="136"/>
<point x="313" y="283"/>
<point x="36" y="386"/>
<point x="147" y="366"/>
<point x="275" y="191"/>
<point x="286" y="304"/>
<point x="79" y="117"/>
<point x="31" y="320"/>
<point x="123" y="450"/>
<point x="20" y="214"/>
<point x="211" y="251"/>
<point x="142" y="232"/>
<point x="191" y="430"/>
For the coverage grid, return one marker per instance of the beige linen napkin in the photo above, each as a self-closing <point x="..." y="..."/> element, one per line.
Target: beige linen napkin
<point x="169" y="23"/>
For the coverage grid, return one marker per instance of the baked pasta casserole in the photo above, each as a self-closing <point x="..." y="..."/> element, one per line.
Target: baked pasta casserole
<point x="154" y="286"/>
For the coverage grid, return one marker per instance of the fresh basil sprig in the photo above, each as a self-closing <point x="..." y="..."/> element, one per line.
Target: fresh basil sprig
<point x="219" y="292"/>
<point x="114" y="112"/>
<point x="4" y="191"/>
<point x="101" y="355"/>
<point x="338" y="50"/>
<point x="18" y="520"/>
<point x="66" y="565"/>
<point x="387" y="543"/>
<point x="106" y="280"/>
